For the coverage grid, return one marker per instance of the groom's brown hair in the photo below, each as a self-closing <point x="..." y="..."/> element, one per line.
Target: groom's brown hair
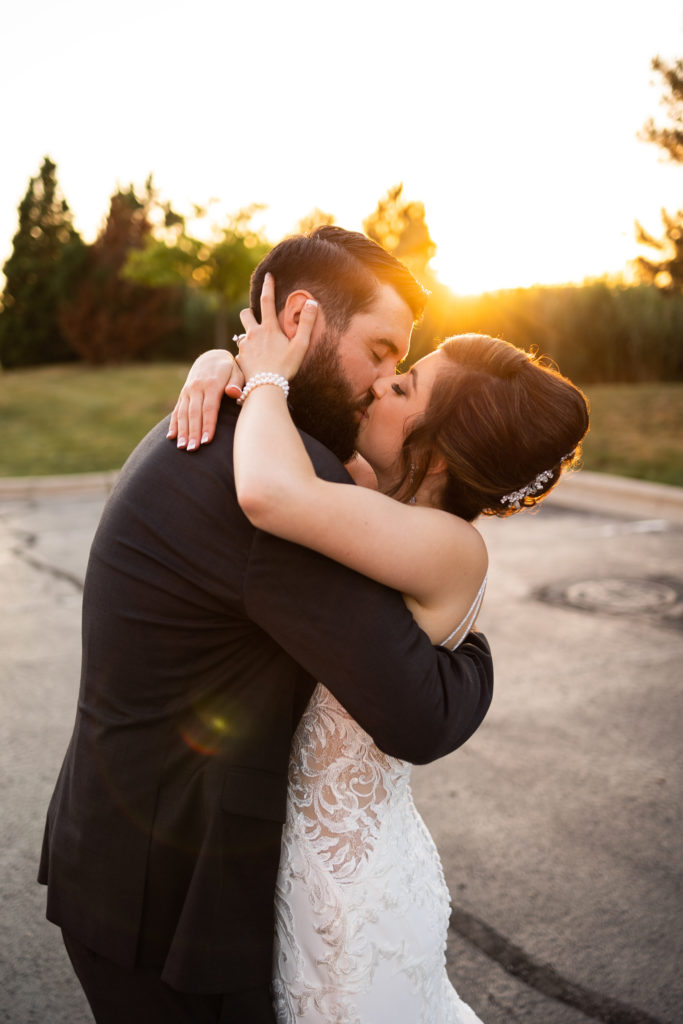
<point x="340" y="268"/>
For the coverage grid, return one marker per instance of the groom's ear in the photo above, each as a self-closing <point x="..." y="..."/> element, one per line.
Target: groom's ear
<point x="289" y="316"/>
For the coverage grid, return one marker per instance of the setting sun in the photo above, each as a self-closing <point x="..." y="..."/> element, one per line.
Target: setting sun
<point x="515" y="125"/>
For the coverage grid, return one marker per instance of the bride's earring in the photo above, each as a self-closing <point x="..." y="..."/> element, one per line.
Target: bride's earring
<point x="412" y="500"/>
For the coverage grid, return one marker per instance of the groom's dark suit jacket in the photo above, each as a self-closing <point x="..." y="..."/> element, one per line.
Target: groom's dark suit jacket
<point x="202" y="639"/>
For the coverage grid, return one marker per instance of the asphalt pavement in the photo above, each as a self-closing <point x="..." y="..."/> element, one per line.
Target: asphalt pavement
<point x="559" y="823"/>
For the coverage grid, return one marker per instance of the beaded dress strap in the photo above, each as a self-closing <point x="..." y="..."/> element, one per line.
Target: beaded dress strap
<point x="471" y="615"/>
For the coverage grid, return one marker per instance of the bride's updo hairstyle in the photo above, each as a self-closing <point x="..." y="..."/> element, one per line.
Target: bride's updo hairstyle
<point x="505" y="423"/>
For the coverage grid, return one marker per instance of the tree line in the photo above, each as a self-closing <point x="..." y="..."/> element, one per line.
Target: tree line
<point x="148" y="288"/>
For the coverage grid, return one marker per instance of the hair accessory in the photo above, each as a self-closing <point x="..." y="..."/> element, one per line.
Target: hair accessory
<point x="264" y="378"/>
<point x="515" y="499"/>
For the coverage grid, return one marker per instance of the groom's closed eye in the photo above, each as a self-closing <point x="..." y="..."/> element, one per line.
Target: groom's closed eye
<point x="382" y="348"/>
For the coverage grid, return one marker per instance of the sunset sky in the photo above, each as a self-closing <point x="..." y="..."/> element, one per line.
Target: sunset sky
<point x="515" y="123"/>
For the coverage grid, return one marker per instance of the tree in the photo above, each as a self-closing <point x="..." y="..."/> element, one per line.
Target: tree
<point x="47" y="253"/>
<point x="666" y="271"/>
<point x="669" y="137"/>
<point x="317" y="218"/>
<point x="109" y="318"/>
<point x="400" y="228"/>
<point x="218" y="270"/>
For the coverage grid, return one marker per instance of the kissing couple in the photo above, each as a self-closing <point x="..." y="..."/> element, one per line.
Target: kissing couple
<point x="267" y="648"/>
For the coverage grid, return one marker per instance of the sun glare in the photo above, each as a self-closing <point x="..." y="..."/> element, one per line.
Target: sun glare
<point x="472" y="258"/>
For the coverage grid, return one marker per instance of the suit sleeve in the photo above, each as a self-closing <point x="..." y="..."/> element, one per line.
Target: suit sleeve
<point x="417" y="701"/>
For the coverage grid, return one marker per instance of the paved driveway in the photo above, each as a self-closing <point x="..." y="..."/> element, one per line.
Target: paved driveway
<point x="558" y="823"/>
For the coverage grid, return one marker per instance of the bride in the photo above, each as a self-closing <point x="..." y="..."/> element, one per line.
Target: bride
<point x="477" y="426"/>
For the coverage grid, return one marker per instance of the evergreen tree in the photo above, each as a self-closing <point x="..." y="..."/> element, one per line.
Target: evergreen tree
<point x="46" y="255"/>
<point x="665" y="270"/>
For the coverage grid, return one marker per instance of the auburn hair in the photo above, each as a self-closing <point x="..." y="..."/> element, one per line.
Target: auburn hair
<point x="498" y="417"/>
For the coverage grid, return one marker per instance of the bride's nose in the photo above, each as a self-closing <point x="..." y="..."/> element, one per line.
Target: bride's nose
<point x="379" y="388"/>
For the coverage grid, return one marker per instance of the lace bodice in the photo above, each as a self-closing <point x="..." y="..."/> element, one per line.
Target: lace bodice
<point x="339" y="783"/>
<point x="362" y="907"/>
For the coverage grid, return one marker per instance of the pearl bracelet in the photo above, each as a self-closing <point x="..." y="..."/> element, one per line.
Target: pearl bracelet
<point x="264" y="378"/>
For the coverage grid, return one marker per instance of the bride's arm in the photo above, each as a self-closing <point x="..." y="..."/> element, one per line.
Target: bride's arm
<point x="212" y="375"/>
<point x="419" y="551"/>
<point x="415" y="550"/>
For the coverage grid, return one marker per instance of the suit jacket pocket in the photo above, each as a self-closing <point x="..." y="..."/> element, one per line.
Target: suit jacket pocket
<point x="255" y="794"/>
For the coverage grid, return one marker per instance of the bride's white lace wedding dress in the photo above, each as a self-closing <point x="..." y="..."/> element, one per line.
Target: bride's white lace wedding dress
<point x="362" y="907"/>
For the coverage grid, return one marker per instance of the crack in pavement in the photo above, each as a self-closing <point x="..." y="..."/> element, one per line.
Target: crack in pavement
<point x="28" y="540"/>
<point x="542" y="977"/>
<point x="50" y="570"/>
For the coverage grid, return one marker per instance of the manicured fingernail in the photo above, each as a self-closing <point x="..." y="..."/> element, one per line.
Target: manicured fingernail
<point x="170" y="434"/>
<point x="192" y="444"/>
<point x="311" y="303"/>
<point x="182" y="441"/>
<point x="205" y="437"/>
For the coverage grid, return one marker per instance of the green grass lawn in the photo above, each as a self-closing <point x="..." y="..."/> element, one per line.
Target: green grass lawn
<point x="76" y="419"/>
<point x="636" y="430"/>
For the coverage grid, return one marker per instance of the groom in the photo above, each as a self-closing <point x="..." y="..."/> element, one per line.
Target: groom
<point x="202" y="641"/>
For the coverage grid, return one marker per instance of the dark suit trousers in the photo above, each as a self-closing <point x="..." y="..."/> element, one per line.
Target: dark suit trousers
<point x="118" y="995"/>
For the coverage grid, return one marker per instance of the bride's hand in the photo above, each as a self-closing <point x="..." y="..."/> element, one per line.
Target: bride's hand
<point x="213" y="374"/>
<point x="265" y="348"/>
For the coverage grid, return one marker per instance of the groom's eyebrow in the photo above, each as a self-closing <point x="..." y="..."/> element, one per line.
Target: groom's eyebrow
<point x="390" y="346"/>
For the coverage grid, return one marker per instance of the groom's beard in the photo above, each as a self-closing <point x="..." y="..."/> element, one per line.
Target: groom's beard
<point x="322" y="400"/>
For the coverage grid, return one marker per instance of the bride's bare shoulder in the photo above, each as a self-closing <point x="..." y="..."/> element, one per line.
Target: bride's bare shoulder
<point x="450" y="565"/>
<point x="361" y="472"/>
<point x="452" y="535"/>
